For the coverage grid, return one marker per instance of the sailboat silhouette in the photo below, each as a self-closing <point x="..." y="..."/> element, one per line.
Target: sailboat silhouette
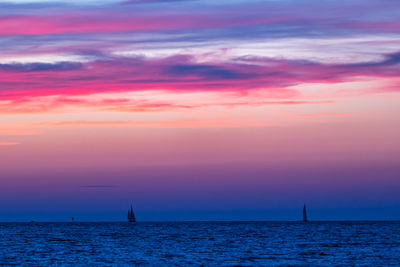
<point x="305" y="219"/>
<point x="131" y="215"/>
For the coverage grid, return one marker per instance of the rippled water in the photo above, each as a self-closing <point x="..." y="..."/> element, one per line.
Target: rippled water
<point x="205" y="243"/>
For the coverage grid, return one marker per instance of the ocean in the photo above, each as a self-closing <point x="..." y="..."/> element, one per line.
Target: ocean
<point x="201" y="243"/>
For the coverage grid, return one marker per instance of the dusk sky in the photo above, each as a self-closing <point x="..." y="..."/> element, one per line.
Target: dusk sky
<point x="199" y="109"/>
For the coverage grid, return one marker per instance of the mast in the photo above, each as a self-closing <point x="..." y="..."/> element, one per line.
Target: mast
<point x="305" y="219"/>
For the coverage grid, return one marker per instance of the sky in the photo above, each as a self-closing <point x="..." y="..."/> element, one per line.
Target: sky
<point x="199" y="109"/>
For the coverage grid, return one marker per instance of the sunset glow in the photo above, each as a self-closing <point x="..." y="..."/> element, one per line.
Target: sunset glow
<point x="199" y="107"/>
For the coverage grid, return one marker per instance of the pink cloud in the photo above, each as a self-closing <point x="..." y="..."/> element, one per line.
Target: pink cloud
<point x="176" y="74"/>
<point x="192" y="123"/>
<point x="20" y="84"/>
<point x="117" y="21"/>
<point x="40" y="105"/>
<point x="8" y="143"/>
<point x="326" y="115"/>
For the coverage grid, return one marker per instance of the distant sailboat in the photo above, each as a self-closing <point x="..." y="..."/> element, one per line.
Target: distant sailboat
<point x="305" y="219"/>
<point x="131" y="215"/>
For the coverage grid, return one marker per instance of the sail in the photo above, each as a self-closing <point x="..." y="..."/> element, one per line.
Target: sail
<point x="305" y="219"/>
<point x="131" y="215"/>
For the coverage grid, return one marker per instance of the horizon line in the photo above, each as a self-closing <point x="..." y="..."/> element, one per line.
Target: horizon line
<point x="200" y="221"/>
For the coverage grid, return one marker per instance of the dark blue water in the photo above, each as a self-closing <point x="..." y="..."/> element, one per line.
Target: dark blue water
<point x="201" y="243"/>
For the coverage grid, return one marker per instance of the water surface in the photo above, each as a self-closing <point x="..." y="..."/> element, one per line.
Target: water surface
<point x="201" y="243"/>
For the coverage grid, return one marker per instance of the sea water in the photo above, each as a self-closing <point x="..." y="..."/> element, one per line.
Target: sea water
<point x="201" y="243"/>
